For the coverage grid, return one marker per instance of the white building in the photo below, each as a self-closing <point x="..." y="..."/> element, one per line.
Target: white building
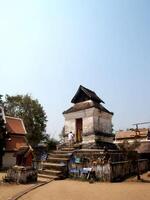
<point x="88" y="119"/>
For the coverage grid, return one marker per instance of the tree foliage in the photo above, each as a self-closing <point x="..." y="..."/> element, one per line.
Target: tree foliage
<point x="1" y="100"/>
<point x="32" y="113"/>
<point x="127" y="147"/>
<point x="130" y="150"/>
<point x="51" y="144"/>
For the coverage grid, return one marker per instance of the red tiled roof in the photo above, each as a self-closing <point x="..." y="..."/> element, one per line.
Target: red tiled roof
<point x="131" y="134"/>
<point x="16" y="142"/>
<point x="15" y="125"/>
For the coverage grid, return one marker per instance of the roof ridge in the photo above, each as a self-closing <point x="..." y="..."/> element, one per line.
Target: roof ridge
<point x="18" y="118"/>
<point x="91" y="94"/>
<point x="87" y="89"/>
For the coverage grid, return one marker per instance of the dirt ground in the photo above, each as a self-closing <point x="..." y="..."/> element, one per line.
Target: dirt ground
<point x="76" y="190"/>
<point x="8" y="190"/>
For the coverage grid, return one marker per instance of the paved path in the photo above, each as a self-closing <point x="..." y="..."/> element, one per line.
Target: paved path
<point x="76" y="190"/>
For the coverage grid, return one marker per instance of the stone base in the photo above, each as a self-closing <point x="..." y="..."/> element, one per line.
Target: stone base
<point x="20" y="174"/>
<point x="107" y="165"/>
<point x="99" y="145"/>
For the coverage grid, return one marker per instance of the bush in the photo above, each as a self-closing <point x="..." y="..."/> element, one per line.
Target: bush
<point x="52" y="144"/>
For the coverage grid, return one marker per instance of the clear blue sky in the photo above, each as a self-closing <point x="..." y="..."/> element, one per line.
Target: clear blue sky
<point x="48" y="48"/>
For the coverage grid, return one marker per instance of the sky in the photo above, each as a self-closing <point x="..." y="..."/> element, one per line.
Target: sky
<point x="50" y="47"/>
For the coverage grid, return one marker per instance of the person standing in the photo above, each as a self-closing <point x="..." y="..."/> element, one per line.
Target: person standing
<point x="70" y="138"/>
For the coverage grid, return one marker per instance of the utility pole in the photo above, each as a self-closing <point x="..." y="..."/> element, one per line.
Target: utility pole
<point x="141" y="123"/>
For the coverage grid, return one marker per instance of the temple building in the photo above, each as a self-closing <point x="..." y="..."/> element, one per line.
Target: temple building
<point x="15" y="128"/>
<point x="89" y="120"/>
<point x="142" y="136"/>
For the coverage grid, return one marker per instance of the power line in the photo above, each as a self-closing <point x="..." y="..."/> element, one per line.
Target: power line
<point x="141" y="123"/>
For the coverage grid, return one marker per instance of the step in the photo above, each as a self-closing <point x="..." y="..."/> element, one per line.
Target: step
<point x="57" y="160"/>
<point x="67" y="149"/>
<point x="62" y="152"/>
<point x="52" y="166"/>
<point x="50" y="172"/>
<point x="48" y="176"/>
<point x="59" y="155"/>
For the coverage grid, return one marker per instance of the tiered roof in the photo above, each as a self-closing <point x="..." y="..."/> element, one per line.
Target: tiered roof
<point x="81" y="101"/>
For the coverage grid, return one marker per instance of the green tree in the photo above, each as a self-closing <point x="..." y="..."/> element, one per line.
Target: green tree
<point x="32" y="113"/>
<point x="1" y="100"/>
<point x="127" y="147"/>
<point x="51" y="143"/>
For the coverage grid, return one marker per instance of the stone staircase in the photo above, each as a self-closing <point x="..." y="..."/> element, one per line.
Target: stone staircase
<point x="55" y="167"/>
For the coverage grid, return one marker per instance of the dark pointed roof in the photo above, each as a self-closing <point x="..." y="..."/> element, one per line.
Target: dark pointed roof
<point x="84" y="94"/>
<point x="81" y="101"/>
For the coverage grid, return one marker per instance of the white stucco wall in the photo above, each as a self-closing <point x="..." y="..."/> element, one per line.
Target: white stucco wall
<point x="9" y="160"/>
<point x="88" y="126"/>
<point x="102" y="121"/>
<point x="87" y="117"/>
<point x="93" y="120"/>
<point x="70" y="126"/>
<point x="79" y="114"/>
